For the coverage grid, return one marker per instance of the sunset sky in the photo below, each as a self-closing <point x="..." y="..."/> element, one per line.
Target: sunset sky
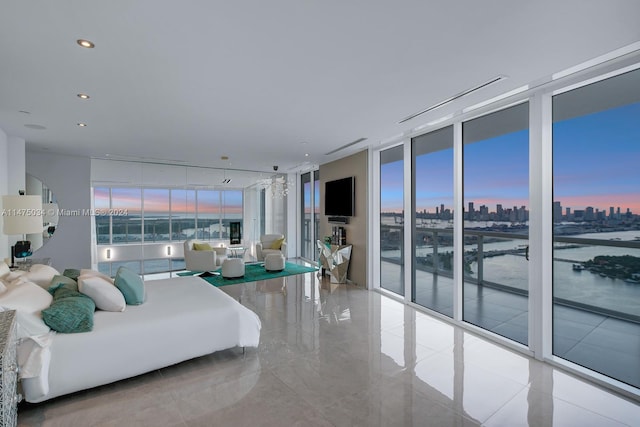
<point x="596" y="163"/>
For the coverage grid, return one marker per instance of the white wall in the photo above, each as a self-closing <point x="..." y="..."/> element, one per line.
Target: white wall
<point x="69" y="178"/>
<point x="4" y="185"/>
<point x="12" y="179"/>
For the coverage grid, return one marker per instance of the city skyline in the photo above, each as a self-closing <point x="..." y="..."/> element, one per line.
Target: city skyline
<point x="595" y="165"/>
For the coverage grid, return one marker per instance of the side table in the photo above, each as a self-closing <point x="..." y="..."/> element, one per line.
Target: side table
<point x="28" y="262"/>
<point x="9" y="396"/>
<point x="335" y="259"/>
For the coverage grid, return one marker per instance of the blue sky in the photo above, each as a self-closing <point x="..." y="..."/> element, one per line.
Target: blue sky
<point x="596" y="163"/>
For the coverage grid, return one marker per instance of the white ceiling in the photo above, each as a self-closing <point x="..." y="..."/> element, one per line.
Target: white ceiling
<point x="266" y="82"/>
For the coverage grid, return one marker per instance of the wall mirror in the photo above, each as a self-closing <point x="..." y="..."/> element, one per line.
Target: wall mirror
<point x="35" y="187"/>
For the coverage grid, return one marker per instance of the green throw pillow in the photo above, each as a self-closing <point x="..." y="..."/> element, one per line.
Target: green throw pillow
<point x="202" y="247"/>
<point x="59" y="281"/>
<point x="70" y="312"/>
<point x="71" y="273"/>
<point x="131" y="286"/>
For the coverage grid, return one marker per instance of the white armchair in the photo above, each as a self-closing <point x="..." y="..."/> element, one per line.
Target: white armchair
<point x="203" y="260"/>
<point x="267" y="244"/>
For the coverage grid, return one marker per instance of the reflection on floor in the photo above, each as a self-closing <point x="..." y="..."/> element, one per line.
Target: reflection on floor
<point x="338" y="355"/>
<point x="604" y="344"/>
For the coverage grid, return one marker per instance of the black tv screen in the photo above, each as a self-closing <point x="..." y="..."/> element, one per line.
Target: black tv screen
<point x="339" y="197"/>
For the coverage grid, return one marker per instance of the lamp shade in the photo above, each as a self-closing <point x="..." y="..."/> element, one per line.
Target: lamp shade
<point x="22" y="214"/>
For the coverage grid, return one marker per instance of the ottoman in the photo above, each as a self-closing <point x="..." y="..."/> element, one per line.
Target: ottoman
<point x="232" y="268"/>
<point x="274" y="262"/>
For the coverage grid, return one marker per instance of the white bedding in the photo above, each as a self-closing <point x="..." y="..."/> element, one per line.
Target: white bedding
<point x="182" y="318"/>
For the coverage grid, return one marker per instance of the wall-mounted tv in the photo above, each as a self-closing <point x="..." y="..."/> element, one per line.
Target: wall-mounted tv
<point x="339" y="197"/>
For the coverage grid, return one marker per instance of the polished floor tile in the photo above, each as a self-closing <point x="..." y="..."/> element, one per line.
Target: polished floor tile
<point x="339" y="355"/>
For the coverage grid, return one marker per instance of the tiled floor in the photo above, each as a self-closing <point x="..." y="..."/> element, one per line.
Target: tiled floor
<point x="605" y="344"/>
<point x="336" y="355"/>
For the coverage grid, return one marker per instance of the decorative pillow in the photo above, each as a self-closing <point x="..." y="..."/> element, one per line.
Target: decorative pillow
<point x="88" y="272"/>
<point x="202" y="246"/>
<point x="106" y="296"/>
<point x="4" y="269"/>
<point x="71" y="273"/>
<point x="277" y="244"/>
<point x="27" y="297"/>
<point x="131" y="286"/>
<point x="62" y="282"/>
<point x="40" y="274"/>
<point x="14" y="275"/>
<point x="71" y="312"/>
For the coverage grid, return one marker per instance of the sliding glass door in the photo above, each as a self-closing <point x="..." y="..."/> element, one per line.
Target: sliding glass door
<point x="496" y="222"/>
<point x="432" y="220"/>
<point x="596" y="197"/>
<point x="392" y="219"/>
<point x="310" y="218"/>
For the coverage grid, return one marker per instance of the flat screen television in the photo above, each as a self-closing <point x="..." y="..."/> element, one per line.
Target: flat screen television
<point x="339" y="197"/>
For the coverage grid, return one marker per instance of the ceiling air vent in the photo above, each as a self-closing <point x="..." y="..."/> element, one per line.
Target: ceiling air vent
<point x="346" y="146"/>
<point x="453" y="98"/>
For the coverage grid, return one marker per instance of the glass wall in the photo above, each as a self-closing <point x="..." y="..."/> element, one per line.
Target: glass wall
<point x="156" y="215"/>
<point x="126" y="228"/>
<point x="596" y="213"/>
<point x="208" y="214"/>
<point x="102" y="203"/>
<point x="166" y="215"/>
<point x="432" y="183"/>
<point x="496" y="222"/>
<point x="310" y="218"/>
<point x="316" y="209"/>
<point x="392" y="219"/>
<point x="306" y="242"/>
<point x="183" y="214"/>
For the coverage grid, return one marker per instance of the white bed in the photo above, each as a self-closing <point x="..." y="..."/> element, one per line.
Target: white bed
<point x="181" y="318"/>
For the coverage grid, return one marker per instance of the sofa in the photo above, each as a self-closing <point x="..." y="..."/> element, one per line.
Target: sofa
<point x="271" y="244"/>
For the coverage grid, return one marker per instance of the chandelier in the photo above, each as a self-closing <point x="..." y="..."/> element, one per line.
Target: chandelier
<point x="278" y="186"/>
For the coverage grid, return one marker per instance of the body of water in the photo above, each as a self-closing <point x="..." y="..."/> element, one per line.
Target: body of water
<point x="579" y="286"/>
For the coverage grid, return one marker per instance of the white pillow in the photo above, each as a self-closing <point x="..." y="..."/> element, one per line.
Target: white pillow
<point x="28" y="299"/>
<point x="14" y="275"/>
<point x="4" y="269"/>
<point x="41" y="275"/>
<point x="30" y="324"/>
<point x="87" y="272"/>
<point x="102" y="291"/>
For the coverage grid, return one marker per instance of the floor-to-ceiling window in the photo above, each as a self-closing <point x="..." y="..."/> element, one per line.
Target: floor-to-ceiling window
<point x="310" y="218"/>
<point x="392" y="219"/>
<point x="166" y="216"/>
<point x="596" y="215"/>
<point x="432" y="182"/>
<point x="496" y="222"/>
<point x="208" y="206"/>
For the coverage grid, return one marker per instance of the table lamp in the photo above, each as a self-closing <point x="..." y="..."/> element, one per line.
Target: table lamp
<point x="21" y="215"/>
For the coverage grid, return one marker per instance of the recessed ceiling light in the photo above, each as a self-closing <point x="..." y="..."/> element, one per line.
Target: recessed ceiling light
<point x="224" y="157"/>
<point x="306" y="154"/>
<point x="82" y="125"/>
<point x="85" y="43"/>
<point x="83" y="96"/>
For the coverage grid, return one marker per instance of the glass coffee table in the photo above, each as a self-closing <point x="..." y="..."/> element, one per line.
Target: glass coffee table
<point x="237" y="251"/>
